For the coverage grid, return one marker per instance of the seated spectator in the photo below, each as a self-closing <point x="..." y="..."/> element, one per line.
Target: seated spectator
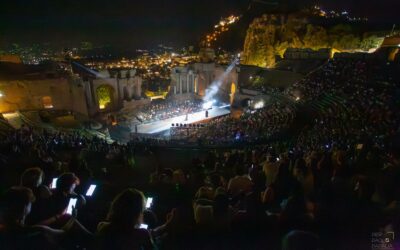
<point x="203" y="215"/>
<point x="58" y="202"/>
<point x="204" y="194"/>
<point x="32" y="178"/>
<point x="271" y="168"/>
<point x="14" y="234"/>
<point x="121" y="230"/>
<point x="241" y="183"/>
<point x="304" y="176"/>
<point x="268" y="196"/>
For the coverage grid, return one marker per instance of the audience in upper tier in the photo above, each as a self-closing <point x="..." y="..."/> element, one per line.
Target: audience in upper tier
<point x="327" y="181"/>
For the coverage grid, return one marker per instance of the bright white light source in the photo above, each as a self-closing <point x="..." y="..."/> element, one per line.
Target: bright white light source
<point x="208" y="105"/>
<point x="91" y="189"/>
<point x="54" y="183"/>
<point x="149" y="201"/>
<point x="1" y="94"/>
<point x="297" y="98"/>
<point x="259" y="105"/>
<point x="71" y="205"/>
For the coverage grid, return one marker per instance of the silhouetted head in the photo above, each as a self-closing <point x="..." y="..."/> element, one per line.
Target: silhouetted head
<point x="127" y="208"/>
<point x="32" y="177"/>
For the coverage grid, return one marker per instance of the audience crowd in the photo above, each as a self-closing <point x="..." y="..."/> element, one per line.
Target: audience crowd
<point x="334" y="186"/>
<point x="344" y="102"/>
<point x="354" y="100"/>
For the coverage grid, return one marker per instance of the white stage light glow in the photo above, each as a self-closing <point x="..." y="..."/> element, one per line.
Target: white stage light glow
<point x="208" y="105"/>
<point x="216" y="84"/>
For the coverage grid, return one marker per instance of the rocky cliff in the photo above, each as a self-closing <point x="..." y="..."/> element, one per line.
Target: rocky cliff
<point x="270" y="35"/>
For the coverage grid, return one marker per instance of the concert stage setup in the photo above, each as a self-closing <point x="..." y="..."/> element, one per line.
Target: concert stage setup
<point x="163" y="125"/>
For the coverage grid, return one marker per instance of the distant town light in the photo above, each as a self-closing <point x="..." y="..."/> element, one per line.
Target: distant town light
<point x="1" y="94"/>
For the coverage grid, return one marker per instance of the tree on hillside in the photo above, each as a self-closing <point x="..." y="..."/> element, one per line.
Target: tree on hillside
<point x="316" y="37"/>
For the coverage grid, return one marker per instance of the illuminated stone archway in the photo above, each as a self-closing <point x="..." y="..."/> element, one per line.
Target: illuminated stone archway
<point x="105" y="96"/>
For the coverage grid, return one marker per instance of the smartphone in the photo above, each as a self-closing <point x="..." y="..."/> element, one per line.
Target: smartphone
<point x="54" y="183"/>
<point x="90" y="190"/>
<point x="71" y="205"/>
<point x="143" y="226"/>
<point x="149" y="201"/>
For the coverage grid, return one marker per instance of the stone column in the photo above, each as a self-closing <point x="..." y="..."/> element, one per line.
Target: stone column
<point x="187" y="84"/>
<point x="180" y="84"/>
<point x="195" y="84"/>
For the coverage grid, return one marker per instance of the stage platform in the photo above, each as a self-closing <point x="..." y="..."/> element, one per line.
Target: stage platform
<point x="160" y="126"/>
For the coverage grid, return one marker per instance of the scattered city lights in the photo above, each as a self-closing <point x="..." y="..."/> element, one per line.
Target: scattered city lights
<point x="220" y="28"/>
<point x="337" y="14"/>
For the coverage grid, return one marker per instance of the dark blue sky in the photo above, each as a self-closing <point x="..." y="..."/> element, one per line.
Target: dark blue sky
<point x="139" y="23"/>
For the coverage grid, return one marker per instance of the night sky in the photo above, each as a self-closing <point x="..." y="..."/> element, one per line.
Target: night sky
<point x="139" y="23"/>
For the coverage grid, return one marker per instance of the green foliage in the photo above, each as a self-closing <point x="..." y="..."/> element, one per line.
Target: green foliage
<point x="370" y="42"/>
<point x="316" y="37"/>
<point x="104" y="95"/>
<point x="347" y="42"/>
